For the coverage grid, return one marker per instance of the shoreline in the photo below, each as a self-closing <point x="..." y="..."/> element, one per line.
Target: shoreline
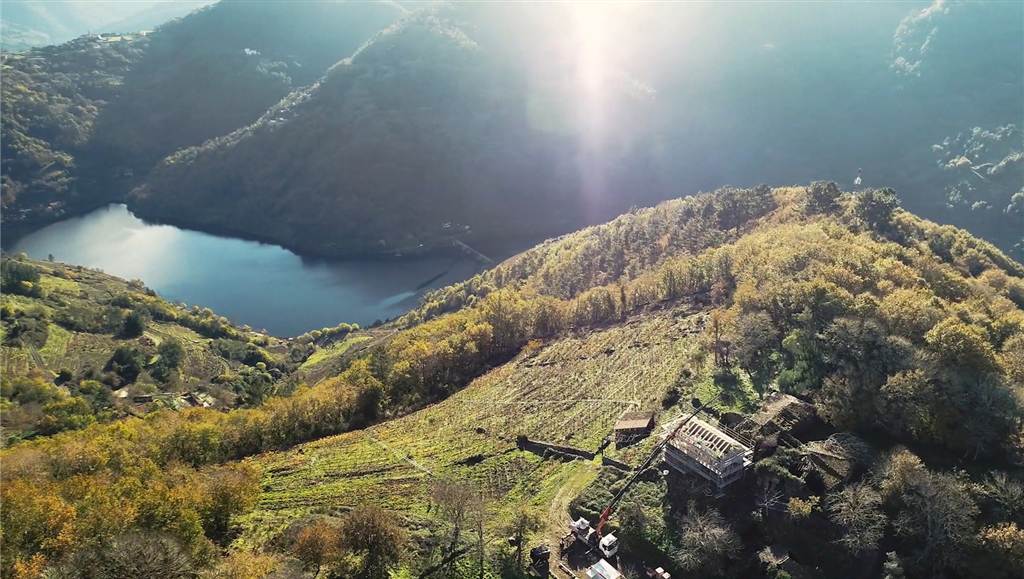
<point x="12" y="233"/>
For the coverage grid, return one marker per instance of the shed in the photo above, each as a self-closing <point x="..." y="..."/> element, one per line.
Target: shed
<point x="632" y="426"/>
<point x="201" y="399"/>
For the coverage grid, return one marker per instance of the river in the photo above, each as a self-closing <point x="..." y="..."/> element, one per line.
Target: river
<point x="264" y="286"/>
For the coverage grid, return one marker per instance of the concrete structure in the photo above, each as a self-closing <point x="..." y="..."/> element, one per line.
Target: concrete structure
<point x="709" y="451"/>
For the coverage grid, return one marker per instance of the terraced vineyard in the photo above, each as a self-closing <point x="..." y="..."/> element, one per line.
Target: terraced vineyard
<point x="329" y="361"/>
<point x="70" y="288"/>
<point x="570" y="391"/>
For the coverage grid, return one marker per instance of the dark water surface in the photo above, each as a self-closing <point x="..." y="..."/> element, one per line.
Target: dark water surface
<point x="265" y="286"/>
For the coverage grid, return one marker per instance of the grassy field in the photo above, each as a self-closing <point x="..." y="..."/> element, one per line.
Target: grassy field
<point x="56" y="346"/>
<point x="323" y="356"/>
<point x="569" y="391"/>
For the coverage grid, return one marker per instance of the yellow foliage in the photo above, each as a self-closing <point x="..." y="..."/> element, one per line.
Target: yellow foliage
<point x="802" y="508"/>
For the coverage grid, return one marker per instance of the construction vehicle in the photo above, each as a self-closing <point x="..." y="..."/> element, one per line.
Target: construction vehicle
<point x="609" y="544"/>
<point x="539" y="560"/>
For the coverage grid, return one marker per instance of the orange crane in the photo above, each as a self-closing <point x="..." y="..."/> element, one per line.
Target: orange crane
<point x="607" y="512"/>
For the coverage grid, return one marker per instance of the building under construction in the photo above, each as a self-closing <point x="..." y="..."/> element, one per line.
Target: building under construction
<point x="708" y="451"/>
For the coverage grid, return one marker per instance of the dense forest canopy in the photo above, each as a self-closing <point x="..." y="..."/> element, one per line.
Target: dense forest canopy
<point x="84" y="121"/>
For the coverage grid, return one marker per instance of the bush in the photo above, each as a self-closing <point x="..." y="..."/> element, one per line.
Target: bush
<point x="19" y="278"/>
<point x="126" y="363"/>
<point x="134" y="325"/>
<point x="30" y="329"/>
<point x="170" y="355"/>
<point x="821" y="197"/>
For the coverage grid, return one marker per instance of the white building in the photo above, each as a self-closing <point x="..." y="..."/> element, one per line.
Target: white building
<point x="602" y="570"/>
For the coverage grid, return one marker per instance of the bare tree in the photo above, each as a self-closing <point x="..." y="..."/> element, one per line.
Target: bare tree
<point x="858" y="509"/>
<point x="706" y="541"/>
<point x="374" y="536"/>
<point x="525" y="521"/>
<point x="479" y="508"/>
<point x="453" y="500"/>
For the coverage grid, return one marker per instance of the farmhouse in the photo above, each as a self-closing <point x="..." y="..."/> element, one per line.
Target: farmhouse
<point x="708" y="451"/>
<point x="633" y="426"/>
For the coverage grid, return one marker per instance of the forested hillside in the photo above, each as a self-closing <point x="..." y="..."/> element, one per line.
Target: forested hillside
<point x="85" y="120"/>
<point x="422" y="137"/>
<point x="904" y="338"/>
<point x="449" y="125"/>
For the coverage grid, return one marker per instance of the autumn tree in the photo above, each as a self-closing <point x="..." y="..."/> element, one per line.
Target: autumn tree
<point x="935" y="512"/>
<point x="755" y="339"/>
<point x="874" y="208"/>
<point x="38" y="525"/>
<point x="1001" y="551"/>
<point x="375" y="539"/>
<point x="316" y="544"/>
<point x="1012" y="360"/>
<point x="822" y="196"/>
<point x="228" y="491"/>
<point x="961" y="347"/>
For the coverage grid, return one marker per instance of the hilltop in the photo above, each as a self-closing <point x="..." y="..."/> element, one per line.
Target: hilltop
<point x="900" y="341"/>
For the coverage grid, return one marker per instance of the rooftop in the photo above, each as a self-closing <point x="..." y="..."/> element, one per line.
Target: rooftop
<point x="603" y="570"/>
<point x="635" y="421"/>
<point x="708" y="438"/>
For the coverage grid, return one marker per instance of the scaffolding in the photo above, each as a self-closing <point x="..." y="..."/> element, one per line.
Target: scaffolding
<point x="709" y="451"/>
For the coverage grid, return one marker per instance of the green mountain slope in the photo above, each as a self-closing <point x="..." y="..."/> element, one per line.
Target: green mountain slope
<point x="452" y="120"/>
<point x="508" y="123"/>
<point x="86" y="120"/>
<point x="901" y="332"/>
<point x="902" y="340"/>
